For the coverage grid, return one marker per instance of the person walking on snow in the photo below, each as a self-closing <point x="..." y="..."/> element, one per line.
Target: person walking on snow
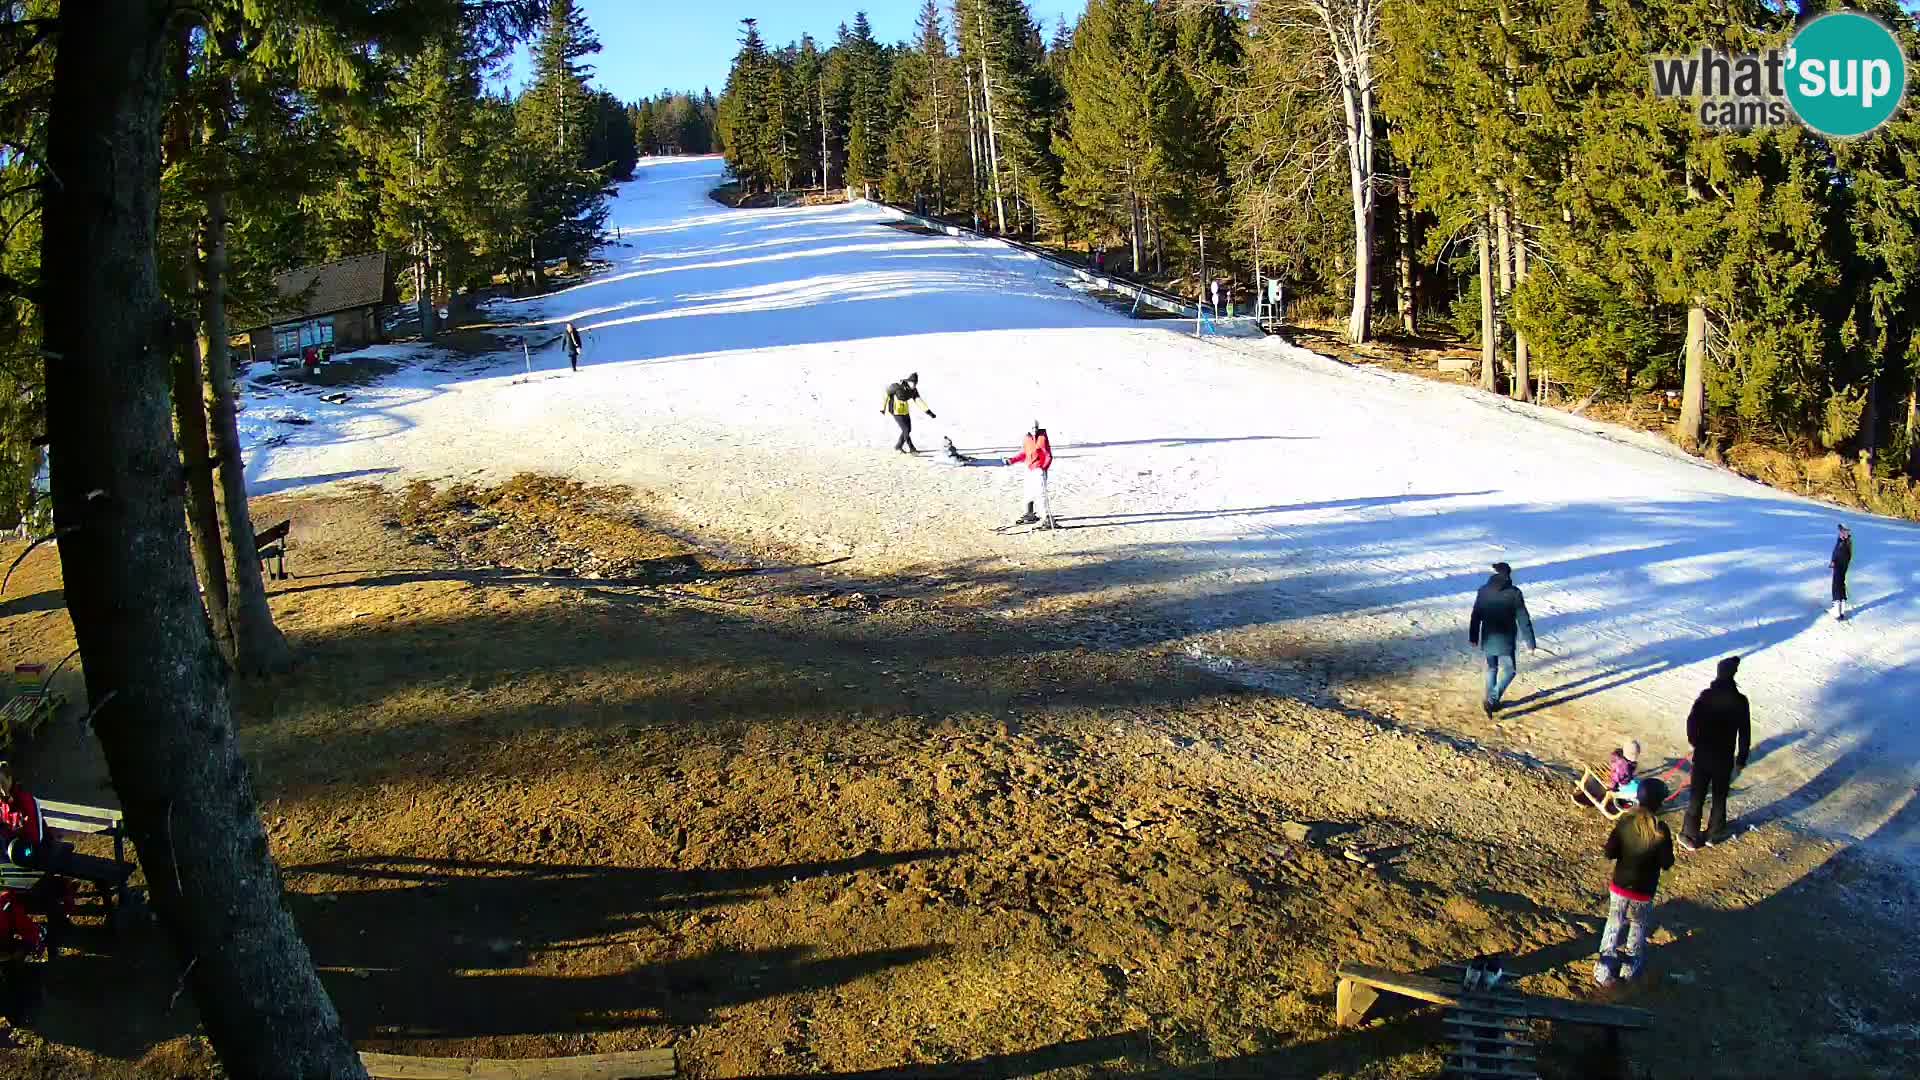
<point x="1640" y="847"/>
<point x="901" y="397"/>
<point x="1842" y="557"/>
<point x="1037" y="454"/>
<point x="1498" y="622"/>
<point x="571" y="336"/>
<point x="1720" y="728"/>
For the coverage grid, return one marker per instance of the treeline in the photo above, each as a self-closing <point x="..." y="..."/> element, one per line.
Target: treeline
<point x="277" y="159"/>
<point x="159" y="164"/>
<point x="1502" y="168"/>
<point x="674" y="123"/>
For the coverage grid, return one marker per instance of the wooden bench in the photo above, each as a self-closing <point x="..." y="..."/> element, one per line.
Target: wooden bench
<point x="635" y="1065"/>
<point x="1360" y="986"/>
<point x="272" y="544"/>
<point x="33" y="703"/>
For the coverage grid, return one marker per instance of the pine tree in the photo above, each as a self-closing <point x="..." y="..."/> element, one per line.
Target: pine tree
<point x="1122" y="81"/>
<point x="746" y="111"/>
<point x="566" y="199"/>
<point x="924" y="156"/>
<point x="869" y="120"/>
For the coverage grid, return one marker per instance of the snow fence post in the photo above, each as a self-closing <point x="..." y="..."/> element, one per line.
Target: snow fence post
<point x="527" y="355"/>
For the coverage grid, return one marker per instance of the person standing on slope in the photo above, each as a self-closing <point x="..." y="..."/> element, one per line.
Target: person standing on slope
<point x="1720" y="728"/>
<point x="1037" y="455"/>
<point x="571" y="336"/>
<point x="1499" y="620"/>
<point x="901" y="397"/>
<point x="1842" y="558"/>
<point x="1640" y="847"/>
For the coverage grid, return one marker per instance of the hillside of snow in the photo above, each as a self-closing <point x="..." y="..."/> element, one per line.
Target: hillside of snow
<point x="1247" y="499"/>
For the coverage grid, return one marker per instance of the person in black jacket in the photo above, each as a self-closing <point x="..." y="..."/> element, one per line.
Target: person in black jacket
<point x="1640" y="847"/>
<point x="1720" y="727"/>
<point x="1499" y="620"/>
<point x="1842" y="558"/>
<point x="571" y="337"/>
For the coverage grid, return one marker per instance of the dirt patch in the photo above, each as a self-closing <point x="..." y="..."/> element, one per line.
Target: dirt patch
<point x="551" y="780"/>
<point x="343" y="369"/>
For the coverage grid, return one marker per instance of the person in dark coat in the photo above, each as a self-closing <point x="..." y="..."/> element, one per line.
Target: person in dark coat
<point x="1842" y="558"/>
<point x="902" y="397"/>
<point x="1720" y="728"/>
<point x="1499" y="621"/>
<point x="572" y="338"/>
<point x="1640" y="847"/>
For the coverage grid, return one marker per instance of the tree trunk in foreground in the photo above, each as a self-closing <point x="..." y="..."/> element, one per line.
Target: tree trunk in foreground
<point x="1692" y="428"/>
<point x="189" y="401"/>
<point x="1489" y="325"/>
<point x="1403" y="215"/>
<point x="258" y="645"/>
<point x="1522" y="388"/>
<point x="203" y="514"/>
<point x="168" y="733"/>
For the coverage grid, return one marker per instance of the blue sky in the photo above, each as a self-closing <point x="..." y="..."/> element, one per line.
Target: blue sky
<point x="647" y="45"/>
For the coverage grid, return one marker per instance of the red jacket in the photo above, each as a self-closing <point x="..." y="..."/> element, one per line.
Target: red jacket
<point x="20" y="816"/>
<point x="18" y="930"/>
<point x="1038" y="453"/>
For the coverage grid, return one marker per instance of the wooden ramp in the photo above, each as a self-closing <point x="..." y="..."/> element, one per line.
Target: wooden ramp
<point x="637" y="1065"/>
<point x="1487" y="1028"/>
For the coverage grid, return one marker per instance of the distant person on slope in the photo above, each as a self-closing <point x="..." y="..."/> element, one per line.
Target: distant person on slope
<point x="901" y="397"/>
<point x="1720" y="728"/>
<point x="1499" y="620"/>
<point x="1037" y="455"/>
<point x="572" y="338"/>
<point x="1842" y="558"/>
<point x="1640" y="847"/>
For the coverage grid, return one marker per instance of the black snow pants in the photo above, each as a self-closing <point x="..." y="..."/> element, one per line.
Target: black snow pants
<point x="905" y="442"/>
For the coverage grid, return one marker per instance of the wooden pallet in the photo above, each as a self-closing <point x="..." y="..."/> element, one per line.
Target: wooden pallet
<point x="1490" y="1038"/>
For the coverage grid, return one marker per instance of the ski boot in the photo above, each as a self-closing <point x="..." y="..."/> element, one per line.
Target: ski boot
<point x="1027" y="518"/>
<point x="1048" y="523"/>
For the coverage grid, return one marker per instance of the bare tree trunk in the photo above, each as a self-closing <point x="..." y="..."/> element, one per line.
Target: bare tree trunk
<point x="1503" y="251"/>
<point x="973" y="137"/>
<point x="189" y="399"/>
<point x="1913" y="429"/>
<point x="1409" y="299"/>
<point x="993" y="147"/>
<point x="1358" y="102"/>
<point x="259" y="647"/>
<point x="1489" y="323"/>
<point x="1134" y="231"/>
<point x="1522" y="363"/>
<point x="1691" y="431"/>
<point x="203" y="513"/>
<point x="167" y="732"/>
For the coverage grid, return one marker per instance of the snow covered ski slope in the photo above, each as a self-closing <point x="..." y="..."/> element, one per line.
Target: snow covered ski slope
<point x="1250" y="500"/>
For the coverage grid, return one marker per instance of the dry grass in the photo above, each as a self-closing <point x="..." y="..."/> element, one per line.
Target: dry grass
<point x="536" y="794"/>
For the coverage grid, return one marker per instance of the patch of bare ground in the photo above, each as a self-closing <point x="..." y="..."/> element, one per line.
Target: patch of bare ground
<point x="551" y="780"/>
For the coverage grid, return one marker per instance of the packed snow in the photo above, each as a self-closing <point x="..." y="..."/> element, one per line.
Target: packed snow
<point x="1260" y="505"/>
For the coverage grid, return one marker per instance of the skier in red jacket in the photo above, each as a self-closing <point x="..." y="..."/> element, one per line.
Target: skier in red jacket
<point x="1037" y="454"/>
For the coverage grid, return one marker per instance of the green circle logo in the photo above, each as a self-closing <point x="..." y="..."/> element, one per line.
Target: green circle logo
<point x="1846" y="74"/>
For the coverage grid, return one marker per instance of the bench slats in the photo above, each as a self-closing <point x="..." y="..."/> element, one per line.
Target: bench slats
<point x="76" y="817"/>
<point x="1447" y="992"/>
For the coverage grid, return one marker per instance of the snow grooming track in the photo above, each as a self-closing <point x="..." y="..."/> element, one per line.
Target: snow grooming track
<point x="1249" y="498"/>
